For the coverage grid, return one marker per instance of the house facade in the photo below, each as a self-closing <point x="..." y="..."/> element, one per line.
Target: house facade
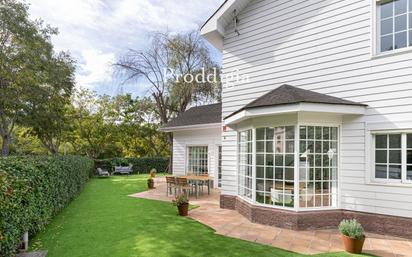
<point x="321" y="129"/>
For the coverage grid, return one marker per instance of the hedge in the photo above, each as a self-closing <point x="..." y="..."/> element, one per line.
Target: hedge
<point x="33" y="190"/>
<point x="140" y="165"/>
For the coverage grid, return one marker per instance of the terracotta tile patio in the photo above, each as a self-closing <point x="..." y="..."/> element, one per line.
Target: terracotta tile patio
<point x="230" y="223"/>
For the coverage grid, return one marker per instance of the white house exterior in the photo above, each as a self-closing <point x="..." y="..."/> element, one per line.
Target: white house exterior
<point x="197" y="141"/>
<point x="306" y="163"/>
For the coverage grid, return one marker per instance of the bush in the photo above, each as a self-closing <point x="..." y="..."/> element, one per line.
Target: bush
<point x="33" y="190"/>
<point x="352" y="229"/>
<point x="140" y="165"/>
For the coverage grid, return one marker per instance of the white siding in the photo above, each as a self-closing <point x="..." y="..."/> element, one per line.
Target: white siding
<point x="324" y="46"/>
<point x="200" y="137"/>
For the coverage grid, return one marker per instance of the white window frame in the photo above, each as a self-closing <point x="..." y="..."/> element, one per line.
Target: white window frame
<point x="297" y="125"/>
<point x="375" y="25"/>
<point x="188" y="153"/>
<point x="372" y="152"/>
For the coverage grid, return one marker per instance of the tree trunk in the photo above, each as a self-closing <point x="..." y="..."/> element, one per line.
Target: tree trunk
<point x="5" y="150"/>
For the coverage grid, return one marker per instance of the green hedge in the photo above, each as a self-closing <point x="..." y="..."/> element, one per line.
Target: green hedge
<point x="140" y="165"/>
<point x="33" y="190"/>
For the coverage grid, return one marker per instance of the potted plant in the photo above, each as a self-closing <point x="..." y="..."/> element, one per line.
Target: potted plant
<point x="182" y="204"/>
<point x="150" y="183"/>
<point x="153" y="173"/>
<point x="353" y="235"/>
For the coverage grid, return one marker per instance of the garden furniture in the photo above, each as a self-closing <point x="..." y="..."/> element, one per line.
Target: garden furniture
<point x="102" y="173"/>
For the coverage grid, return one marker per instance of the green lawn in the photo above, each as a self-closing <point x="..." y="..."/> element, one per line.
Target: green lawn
<point x="104" y="221"/>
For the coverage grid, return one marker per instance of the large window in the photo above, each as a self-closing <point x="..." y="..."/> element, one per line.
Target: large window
<point x="245" y="163"/>
<point x="267" y="166"/>
<point x="318" y="166"/>
<point x="393" y="157"/>
<point x="275" y="166"/>
<point x="394" y="24"/>
<point x="198" y="159"/>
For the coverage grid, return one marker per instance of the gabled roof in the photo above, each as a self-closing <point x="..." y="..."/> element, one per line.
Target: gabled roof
<point x="214" y="28"/>
<point x="201" y="115"/>
<point x="287" y="94"/>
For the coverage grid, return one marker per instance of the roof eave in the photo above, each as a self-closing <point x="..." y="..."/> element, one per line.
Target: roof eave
<point x="339" y="109"/>
<point x="191" y="127"/>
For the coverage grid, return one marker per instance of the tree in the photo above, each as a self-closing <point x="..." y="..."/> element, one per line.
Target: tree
<point x="165" y="65"/>
<point x="25" y="50"/>
<point x="48" y="114"/>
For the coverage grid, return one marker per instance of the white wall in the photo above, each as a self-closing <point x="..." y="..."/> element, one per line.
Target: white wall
<point x="199" y="137"/>
<point x="324" y="46"/>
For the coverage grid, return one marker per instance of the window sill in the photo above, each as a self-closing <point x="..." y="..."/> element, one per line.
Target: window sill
<point x="390" y="184"/>
<point x="392" y="53"/>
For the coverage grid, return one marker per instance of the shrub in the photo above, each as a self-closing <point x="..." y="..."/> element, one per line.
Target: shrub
<point x="140" y="165"/>
<point x="352" y="229"/>
<point x="33" y="190"/>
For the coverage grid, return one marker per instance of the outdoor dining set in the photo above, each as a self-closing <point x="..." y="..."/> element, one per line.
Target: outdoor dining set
<point x="190" y="184"/>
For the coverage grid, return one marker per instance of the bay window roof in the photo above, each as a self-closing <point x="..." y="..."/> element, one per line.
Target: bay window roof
<point x="286" y="98"/>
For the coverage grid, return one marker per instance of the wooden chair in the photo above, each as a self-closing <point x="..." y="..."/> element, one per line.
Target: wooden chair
<point x="183" y="186"/>
<point x="170" y="184"/>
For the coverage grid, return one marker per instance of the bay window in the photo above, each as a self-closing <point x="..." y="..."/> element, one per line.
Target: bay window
<point x="267" y="166"/>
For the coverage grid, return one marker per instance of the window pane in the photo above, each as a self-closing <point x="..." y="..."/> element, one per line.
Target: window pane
<point x="381" y="156"/>
<point x="269" y="147"/>
<point x="290" y="145"/>
<point x="400" y="6"/>
<point x="260" y="147"/>
<point x="410" y="21"/>
<point x="395" y="141"/>
<point x="381" y="141"/>
<point x="289" y="174"/>
<point x="269" y="159"/>
<point x="400" y="23"/>
<point x="410" y="5"/>
<point x="400" y="40"/>
<point x="387" y="43"/>
<point x="260" y="172"/>
<point x="410" y="35"/>
<point x="395" y="156"/>
<point x="409" y="173"/>
<point x="381" y="171"/>
<point x="290" y="132"/>
<point x="395" y="172"/>
<point x="409" y="157"/>
<point x="410" y="138"/>
<point x="387" y="27"/>
<point x="387" y="10"/>
<point x="269" y="133"/>
<point x="260" y="159"/>
<point x="260" y="134"/>
<point x="269" y="173"/>
<point x="302" y="133"/>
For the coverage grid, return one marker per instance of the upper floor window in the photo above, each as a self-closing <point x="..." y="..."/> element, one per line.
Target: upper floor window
<point x="394" y="19"/>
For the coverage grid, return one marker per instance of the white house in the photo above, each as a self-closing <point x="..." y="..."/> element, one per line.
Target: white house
<point x="322" y="128"/>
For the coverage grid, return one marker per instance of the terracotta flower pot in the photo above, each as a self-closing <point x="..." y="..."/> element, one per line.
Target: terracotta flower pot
<point x="183" y="209"/>
<point x="150" y="184"/>
<point x="353" y="245"/>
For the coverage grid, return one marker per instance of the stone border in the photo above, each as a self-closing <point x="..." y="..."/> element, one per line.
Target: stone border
<point x="327" y="219"/>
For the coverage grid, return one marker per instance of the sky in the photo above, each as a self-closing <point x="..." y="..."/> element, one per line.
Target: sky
<point x="97" y="32"/>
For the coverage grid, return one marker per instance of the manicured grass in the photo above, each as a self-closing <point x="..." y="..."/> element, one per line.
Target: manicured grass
<point x="104" y="221"/>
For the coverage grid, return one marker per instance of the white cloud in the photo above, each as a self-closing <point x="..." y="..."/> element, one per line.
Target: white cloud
<point x="96" y="31"/>
<point x="95" y="68"/>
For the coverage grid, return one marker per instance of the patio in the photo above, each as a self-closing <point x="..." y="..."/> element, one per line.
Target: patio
<point x="230" y="223"/>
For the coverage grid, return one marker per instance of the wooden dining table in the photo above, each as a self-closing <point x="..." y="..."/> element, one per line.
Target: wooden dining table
<point x="196" y="179"/>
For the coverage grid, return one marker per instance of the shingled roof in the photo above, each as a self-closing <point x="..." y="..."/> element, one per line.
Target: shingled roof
<point x="205" y="114"/>
<point x="287" y="94"/>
